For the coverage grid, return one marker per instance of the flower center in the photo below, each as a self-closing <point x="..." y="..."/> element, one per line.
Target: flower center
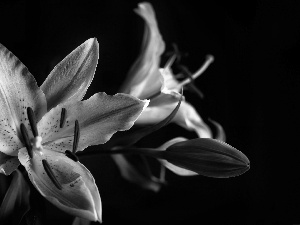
<point x="37" y="143"/>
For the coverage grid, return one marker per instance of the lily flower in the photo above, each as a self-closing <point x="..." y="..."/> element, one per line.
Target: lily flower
<point x="146" y="80"/>
<point x="43" y="128"/>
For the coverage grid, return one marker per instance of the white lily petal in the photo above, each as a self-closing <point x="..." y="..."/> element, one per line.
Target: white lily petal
<point x="169" y="92"/>
<point x="175" y="169"/>
<point x="99" y="118"/>
<point x="187" y="117"/>
<point x="69" y="79"/>
<point x="18" y="90"/>
<point x="80" y="221"/>
<point x="165" y="97"/>
<point x="221" y="135"/>
<point x="8" y="164"/>
<point x="16" y="200"/>
<point x="144" y="78"/>
<point x="170" y="83"/>
<point x="79" y="194"/>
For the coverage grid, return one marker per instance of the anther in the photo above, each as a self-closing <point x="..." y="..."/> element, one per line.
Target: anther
<point x="51" y="174"/>
<point x="76" y="136"/>
<point x="32" y="121"/>
<point x="71" y="155"/>
<point x="62" y="118"/>
<point x="26" y="140"/>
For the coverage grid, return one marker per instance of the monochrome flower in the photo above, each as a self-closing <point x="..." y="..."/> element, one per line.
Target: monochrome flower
<point x="44" y="127"/>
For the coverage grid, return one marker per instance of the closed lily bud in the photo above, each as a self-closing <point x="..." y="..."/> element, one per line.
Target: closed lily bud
<point x="208" y="157"/>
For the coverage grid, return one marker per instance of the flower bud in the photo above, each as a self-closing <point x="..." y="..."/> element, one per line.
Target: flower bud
<point x="208" y="157"/>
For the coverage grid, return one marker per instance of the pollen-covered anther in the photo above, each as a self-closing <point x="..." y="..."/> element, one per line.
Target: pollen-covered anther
<point x="26" y="140"/>
<point x="51" y="174"/>
<point x="76" y="136"/>
<point x="62" y="117"/>
<point x="32" y="121"/>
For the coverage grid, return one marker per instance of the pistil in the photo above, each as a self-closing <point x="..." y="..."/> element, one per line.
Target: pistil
<point x="209" y="60"/>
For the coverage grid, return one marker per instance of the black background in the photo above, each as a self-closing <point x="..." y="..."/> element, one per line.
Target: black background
<point x="251" y="89"/>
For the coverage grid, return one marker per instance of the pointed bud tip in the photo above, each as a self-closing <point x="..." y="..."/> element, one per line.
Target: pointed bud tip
<point x="92" y="42"/>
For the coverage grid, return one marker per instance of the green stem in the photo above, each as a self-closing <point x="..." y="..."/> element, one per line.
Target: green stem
<point x="143" y="151"/>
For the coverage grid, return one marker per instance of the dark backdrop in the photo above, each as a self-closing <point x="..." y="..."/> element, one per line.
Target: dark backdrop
<point x="250" y="89"/>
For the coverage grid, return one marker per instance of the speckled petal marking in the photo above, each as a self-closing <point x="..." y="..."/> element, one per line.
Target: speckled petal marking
<point x="99" y="118"/>
<point x="18" y="90"/>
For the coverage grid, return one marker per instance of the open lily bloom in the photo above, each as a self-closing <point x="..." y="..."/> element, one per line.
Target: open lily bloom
<point x="40" y="126"/>
<point x="147" y="80"/>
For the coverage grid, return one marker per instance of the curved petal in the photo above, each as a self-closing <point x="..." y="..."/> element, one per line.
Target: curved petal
<point x="132" y="174"/>
<point x="187" y="117"/>
<point x="144" y="78"/>
<point x="69" y="79"/>
<point x="16" y="201"/>
<point x="18" y="90"/>
<point x="170" y="83"/>
<point x="99" y="118"/>
<point x="8" y="164"/>
<point x="221" y="135"/>
<point x="80" y="221"/>
<point x="165" y="97"/>
<point x="79" y="194"/>
<point x="175" y="169"/>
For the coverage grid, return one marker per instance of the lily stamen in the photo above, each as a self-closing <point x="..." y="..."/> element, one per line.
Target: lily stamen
<point x="26" y="140"/>
<point x="188" y="74"/>
<point x="62" y="117"/>
<point x="32" y="121"/>
<point x="170" y="61"/>
<point x="51" y="174"/>
<point x="209" y="60"/>
<point x="71" y="155"/>
<point x="76" y="136"/>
